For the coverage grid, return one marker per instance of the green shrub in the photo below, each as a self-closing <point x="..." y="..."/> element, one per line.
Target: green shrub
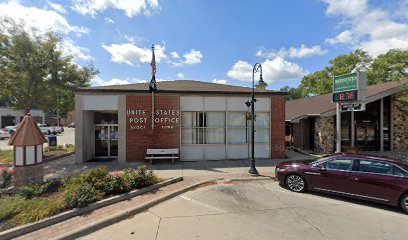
<point x="11" y="206"/>
<point x="5" y="179"/>
<point x="40" y="208"/>
<point x="81" y="195"/>
<point x="115" y="184"/>
<point x="36" y="190"/>
<point x="70" y="147"/>
<point x="93" y="176"/>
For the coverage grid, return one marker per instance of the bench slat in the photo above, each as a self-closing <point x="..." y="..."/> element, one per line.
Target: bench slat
<point x="163" y="151"/>
<point x="161" y="157"/>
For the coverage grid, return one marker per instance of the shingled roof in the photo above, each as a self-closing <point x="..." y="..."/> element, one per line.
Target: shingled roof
<point x="28" y="133"/>
<point x="323" y="105"/>
<point x="178" y="86"/>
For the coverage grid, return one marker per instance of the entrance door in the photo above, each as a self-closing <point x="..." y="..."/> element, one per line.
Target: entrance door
<point x="367" y="136"/>
<point x="106" y="141"/>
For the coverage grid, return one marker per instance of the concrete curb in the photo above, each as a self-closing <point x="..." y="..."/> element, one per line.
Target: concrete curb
<point x="21" y="230"/>
<point x="88" y="229"/>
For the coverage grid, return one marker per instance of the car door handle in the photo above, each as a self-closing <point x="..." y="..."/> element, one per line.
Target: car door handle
<point x="355" y="179"/>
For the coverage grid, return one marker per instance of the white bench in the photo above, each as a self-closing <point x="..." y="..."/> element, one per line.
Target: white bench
<point x="166" y="153"/>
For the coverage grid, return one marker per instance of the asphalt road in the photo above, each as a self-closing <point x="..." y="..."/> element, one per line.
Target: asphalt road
<point x="260" y="210"/>
<point x="67" y="137"/>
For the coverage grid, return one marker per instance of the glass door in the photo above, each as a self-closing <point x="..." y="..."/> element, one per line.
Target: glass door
<point x="106" y="141"/>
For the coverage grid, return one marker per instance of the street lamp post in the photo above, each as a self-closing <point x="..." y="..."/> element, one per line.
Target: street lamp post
<point x="257" y="67"/>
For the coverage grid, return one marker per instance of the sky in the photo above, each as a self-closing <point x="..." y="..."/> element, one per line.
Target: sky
<point x="214" y="40"/>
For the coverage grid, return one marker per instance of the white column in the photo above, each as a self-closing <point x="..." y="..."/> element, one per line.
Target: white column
<point x="338" y="128"/>
<point x="352" y="129"/>
<point x="382" y="125"/>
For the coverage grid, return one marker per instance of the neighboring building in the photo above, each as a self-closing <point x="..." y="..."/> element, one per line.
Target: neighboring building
<point x="204" y="120"/>
<point x="10" y="117"/>
<point x="383" y="126"/>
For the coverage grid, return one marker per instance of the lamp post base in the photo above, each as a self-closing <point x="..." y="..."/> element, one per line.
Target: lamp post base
<point x="252" y="170"/>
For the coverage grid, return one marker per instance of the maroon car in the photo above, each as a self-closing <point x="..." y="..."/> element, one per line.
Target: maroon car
<point x="369" y="178"/>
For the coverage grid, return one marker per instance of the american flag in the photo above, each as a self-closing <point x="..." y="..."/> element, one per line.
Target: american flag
<point x="152" y="84"/>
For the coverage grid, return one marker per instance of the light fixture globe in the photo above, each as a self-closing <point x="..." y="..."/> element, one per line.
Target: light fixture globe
<point x="261" y="84"/>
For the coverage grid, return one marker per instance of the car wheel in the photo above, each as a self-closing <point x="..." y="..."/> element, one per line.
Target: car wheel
<point x="404" y="203"/>
<point x="296" y="183"/>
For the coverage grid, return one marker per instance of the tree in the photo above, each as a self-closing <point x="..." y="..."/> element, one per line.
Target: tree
<point x="293" y="93"/>
<point x="321" y="82"/>
<point x="390" y="66"/>
<point x="33" y="71"/>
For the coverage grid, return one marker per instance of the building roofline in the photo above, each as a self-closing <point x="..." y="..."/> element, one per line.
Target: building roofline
<point x="99" y="90"/>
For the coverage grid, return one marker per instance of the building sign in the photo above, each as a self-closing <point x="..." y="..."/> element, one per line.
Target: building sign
<point x="163" y="118"/>
<point x="349" y="87"/>
<point x="348" y="107"/>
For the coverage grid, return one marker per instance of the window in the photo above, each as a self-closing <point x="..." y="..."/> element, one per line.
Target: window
<point x="370" y="166"/>
<point x="399" y="172"/>
<point x="239" y="130"/>
<point x="203" y="128"/>
<point x="340" y="164"/>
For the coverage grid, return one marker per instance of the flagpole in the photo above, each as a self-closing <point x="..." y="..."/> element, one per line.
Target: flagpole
<point x="152" y="84"/>
<point x="152" y="109"/>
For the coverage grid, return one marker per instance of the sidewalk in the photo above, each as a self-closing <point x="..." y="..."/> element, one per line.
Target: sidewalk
<point x="165" y="169"/>
<point x="192" y="172"/>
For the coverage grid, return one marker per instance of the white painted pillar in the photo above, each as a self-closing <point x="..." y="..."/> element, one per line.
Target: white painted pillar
<point x="352" y="129"/>
<point x="338" y="128"/>
<point x="382" y="125"/>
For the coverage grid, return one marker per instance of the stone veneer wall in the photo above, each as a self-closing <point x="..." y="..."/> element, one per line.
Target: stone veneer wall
<point x="400" y="119"/>
<point x="324" y="135"/>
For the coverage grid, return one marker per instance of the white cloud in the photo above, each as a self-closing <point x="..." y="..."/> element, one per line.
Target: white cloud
<point x="348" y="8"/>
<point x="109" y="20"/>
<point x="97" y="81"/>
<point x="129" y="53"/>
<point x="219" y="81"/>
<point x="68" y="47"/>
<point x="189" y="58"/>
<point x="193" y="57"/>
<point x="174" y="55"/>
<point x="374" y="30"/>
<point x="130" y="7"/>
<point x="57" y="7"/>
<point x="273" y="70"/>
<point x="180" y="75"/>
<point x="343" y="37"/>
<point x="42" y="20"/>
<point x="292" y="52"/>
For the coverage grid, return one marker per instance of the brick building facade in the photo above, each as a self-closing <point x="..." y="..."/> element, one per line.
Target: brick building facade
<point x="204" y="120"/>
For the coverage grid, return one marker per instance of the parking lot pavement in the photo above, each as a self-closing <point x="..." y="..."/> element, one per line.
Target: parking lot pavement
<point x="259" y="210"/>
<point x="67" y="137"/>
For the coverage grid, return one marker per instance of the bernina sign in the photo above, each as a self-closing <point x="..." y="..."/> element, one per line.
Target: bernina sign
<point x="164" y="118"/>
<point x="349" y="87"/>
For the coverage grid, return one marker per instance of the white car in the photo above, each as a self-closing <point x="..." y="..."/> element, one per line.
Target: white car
<point x="4" y="134"/>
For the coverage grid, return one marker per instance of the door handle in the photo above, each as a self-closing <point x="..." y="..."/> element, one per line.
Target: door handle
<point x="355" y="179"/>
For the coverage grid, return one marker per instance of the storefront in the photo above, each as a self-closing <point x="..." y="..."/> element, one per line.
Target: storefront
<point x="206" y="121"/>
<point x="382" y="126"/>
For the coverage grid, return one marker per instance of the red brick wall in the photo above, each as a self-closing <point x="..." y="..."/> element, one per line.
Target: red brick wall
<point x="139" y="133"/>
<point x="278" y="127"/>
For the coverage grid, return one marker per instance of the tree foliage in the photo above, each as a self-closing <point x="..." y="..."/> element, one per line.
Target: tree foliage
<point x="34" y="73"/>
<point x="321" y="82"/>
<point x="293" y="93"/>
<point x="390" y="66"/>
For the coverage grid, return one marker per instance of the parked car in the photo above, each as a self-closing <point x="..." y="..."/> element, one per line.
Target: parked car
<point x="50" y="130"/>
<point x="10" y="129"/>
<point x="4" y="134"/>
<point x="368" y="178"/>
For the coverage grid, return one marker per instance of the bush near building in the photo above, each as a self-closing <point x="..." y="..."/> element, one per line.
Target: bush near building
<point x="35" y="202"/>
